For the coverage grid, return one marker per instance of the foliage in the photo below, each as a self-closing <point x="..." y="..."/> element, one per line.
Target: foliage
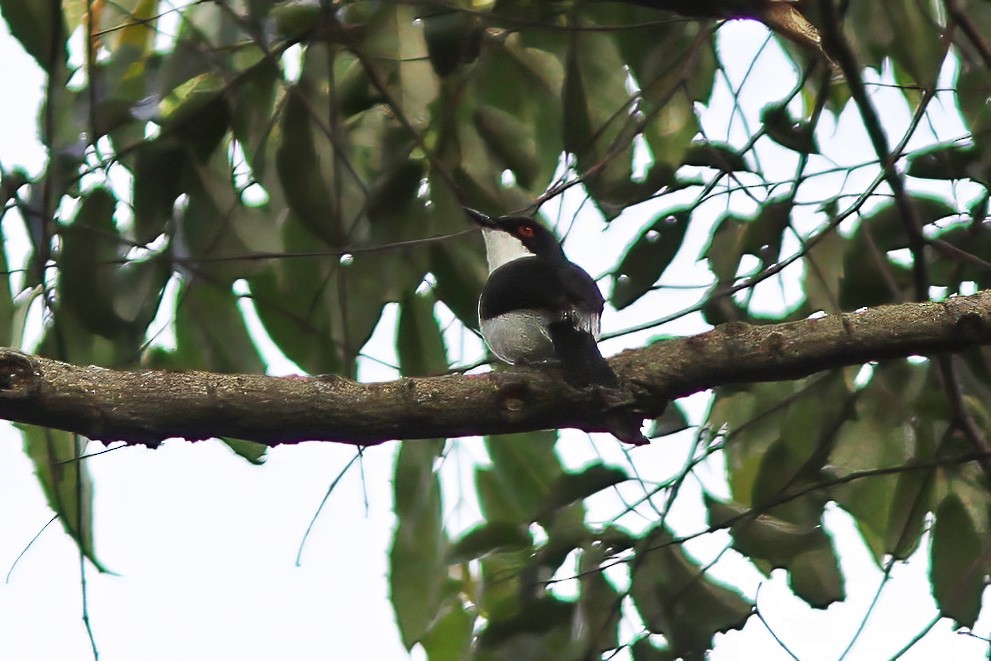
<point x="310" y="160"/>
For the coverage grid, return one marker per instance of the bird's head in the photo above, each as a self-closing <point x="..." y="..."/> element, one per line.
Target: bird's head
<point x="511" y="237"/>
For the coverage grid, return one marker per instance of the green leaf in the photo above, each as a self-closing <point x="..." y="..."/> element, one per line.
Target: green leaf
<point x="803" y="549"/>
<point x="287" y="304"/>
<point x="419" y="341"/>
<point x="89" y="252"/>
<point x="815" y="575"/>
<point x="294" y="19"/>
<point x="488" y="538"/>
<point x="210" y="331"/>
<point x="394" y="47"/>
<point x="599" y="604"/>
<point x="213" y="226"/>
<point x="417" y="566"/>
<point x="450" y="636"/>
<point x="723" y="252"/>
<point x="798" y="136"/>
<point x="200" y="125"/>
<point x="542" y="616"/>
<point x="717" y="155"/>
<point x="524" y="83"/>
<point x="187" y="101"/>
<point x="157" y="171"/>
<point x="973" y="91"/>
<point x="66" y="481"/>
<point x="572" y="487"/>
<point x="524" y="467"/>
<point x="40" y="28"/>
<point x="499" y="594"/>
<point x="781" y="434"/>
<point x="675" y="597"/>
<point x="882" y="30"/>
<point x="946" y="162"/>
<point x="824" y="272"/>
<point x="460" y="271"/>
<point x="511" y="140"/>
<point x="128" y="25"/>
<point x="598" y="128"/>
<point x="452" y="37"/>
<point x="958" y="568"/>
<point x="868" y="272"/>
<point x="303" y="173"/>
<point x="763" y="235"/>
<point x="763" y="536"/>
<point x="648" y="256"/>
<point x="674" y="69"/>
<point x="254" y="453"/>
<point x="644" y="650"/>
<point x="256" y="101"/>
<point x="889" y="509"/>
<point x="673" y="420"/>
<point x="321" y="311"/>
<point x="107" y="293"/>
<point x="887" y="224"/>
<point x="9" y="323"/>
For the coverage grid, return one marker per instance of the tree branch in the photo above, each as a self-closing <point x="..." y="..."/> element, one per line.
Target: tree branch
<point x="145" y="407"/>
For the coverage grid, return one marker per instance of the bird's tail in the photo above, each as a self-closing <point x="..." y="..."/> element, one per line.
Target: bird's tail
<point x="584" y="366"/>
<point x="579" y="356"/>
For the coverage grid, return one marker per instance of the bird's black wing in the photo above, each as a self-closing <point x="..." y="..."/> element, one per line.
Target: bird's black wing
<point x="527" y="283"/>
<point x="538" y="284"/>
<point x="582" y="291"/>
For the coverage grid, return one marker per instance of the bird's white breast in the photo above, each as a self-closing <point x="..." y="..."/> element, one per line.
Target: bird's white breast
<point x="519" y="337"/>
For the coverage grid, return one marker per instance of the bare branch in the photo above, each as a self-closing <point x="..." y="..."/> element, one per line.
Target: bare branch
<point x="145" y="407"/>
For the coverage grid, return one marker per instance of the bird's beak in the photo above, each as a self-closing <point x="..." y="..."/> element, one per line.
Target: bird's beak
<point x="480" y="218"/>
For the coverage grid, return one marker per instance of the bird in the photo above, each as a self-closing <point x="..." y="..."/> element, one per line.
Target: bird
<point x="537" y="306"/>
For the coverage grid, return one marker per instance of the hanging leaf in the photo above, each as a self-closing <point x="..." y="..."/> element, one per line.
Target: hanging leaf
<point x="959" y="562"/>
<point x="950" y="162"/>
<point x="804" y="550"/>
<point x="460" y="270"/>
<point x="598" y="128"/>
<point x="90" y="250"/>
<point x="573" y="487"/>
<point x="40" y="28"/>
<point x="210" y="331"/>
<point x="417" y="557"/>
<point x="795" y="135"/>
<point x="488" y="538"/>
<point x="451" y="634"/>
<point x="648" y="256"/>
<point x="418" y="338"/>
<point x="524" y="467"/>
<point x="546" y="619"/>
<point x="763" y="235"/>
<point x="66" y="481"/>
<point x="675" y="597"/>
<point x="452" y="37"/>
<point x="599" y="605"/>
<point x="717" y="155"/>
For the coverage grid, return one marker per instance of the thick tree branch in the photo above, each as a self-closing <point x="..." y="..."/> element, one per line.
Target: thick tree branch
<point x="149" y="406"/>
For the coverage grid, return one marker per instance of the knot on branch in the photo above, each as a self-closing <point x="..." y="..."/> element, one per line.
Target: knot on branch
<point x="18" y="376"/>
<point x="971" y="327"/>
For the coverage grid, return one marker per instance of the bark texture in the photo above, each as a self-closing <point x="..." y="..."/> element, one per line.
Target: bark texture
<point x="146" y="407"/>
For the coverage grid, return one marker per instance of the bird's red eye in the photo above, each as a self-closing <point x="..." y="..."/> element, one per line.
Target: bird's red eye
<point x="525" y="231"/>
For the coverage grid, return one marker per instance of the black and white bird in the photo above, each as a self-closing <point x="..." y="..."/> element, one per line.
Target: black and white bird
<point x="537" y="306"/>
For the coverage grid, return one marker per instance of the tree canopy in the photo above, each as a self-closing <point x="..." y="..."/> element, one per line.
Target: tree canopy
<point x="306" y="163"/>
